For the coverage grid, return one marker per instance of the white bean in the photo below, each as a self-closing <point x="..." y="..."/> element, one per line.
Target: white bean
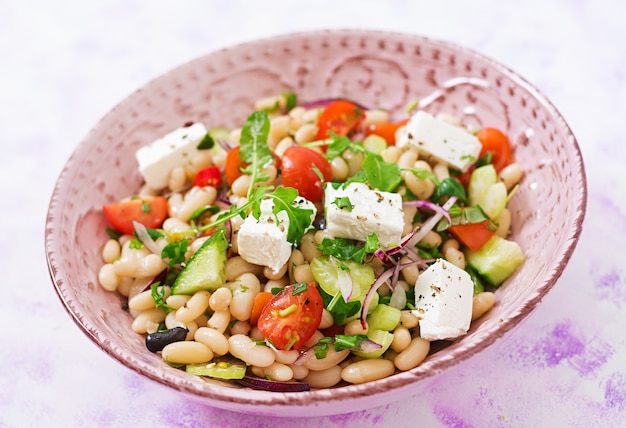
<point x="244" y="289"/>
<point x="213" y="339"/>
<point x="367" y="371"/>
<point x="242" y="347"/>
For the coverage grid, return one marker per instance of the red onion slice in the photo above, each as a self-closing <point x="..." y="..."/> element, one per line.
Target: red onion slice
<point x="146" y="240"/>
<point x="370" y="295"/>
<point x="431" y="206"/>
<point x="272" y="385"/>
<point x="428" y="225"/>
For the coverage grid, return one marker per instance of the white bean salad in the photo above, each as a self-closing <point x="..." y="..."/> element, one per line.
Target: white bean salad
<point x="320" y="244"/>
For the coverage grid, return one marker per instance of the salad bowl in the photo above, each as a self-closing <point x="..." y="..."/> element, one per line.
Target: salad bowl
<point x="376" y="69"/>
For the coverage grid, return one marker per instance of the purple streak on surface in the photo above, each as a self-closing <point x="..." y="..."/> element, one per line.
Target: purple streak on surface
<point x="615" y="391"/>
<point x="560" y="344"/>
<point x="566" y="344"/>
<point x="449" y="418"/>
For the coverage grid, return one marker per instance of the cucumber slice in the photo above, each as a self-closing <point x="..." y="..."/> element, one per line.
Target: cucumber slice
<point x="375" y="144"/>
<point x="382" y="337"/>
<point x="326" y="273"/>
<point x="485" y="190"/>
<point x="496" y="260"/>
<point x="206" y="270"/>
<point x="493" y="201"/>
<point x="384" y="317"/>
<point x="218" y="369"/>
<point x="480" y="181"/>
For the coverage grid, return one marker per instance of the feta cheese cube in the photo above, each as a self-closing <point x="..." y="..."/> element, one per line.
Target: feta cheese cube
<point x="356" y="211"/>
<point x="263" y="241"/>
<point x="177" y="148"/>
<point x="445" y="142"/>
<point x="443" y="301"/>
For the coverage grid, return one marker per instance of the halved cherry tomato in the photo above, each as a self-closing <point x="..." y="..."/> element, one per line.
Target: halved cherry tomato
<point x="148" y="210"/>
<point x="297" y="172"/>
<point x="340" y="117"/>
<point x="473" y="235"/>
<point x="292" y="316"/>
<point x="234" y="164"/>
<point x="495" y="142"/>
<point x="209" y="176"/>
<point x="387" y="130"/>
<point x="258" y="304"/>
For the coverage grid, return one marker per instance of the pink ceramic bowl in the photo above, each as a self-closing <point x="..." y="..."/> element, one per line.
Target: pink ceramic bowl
<point x="376" y="69"/>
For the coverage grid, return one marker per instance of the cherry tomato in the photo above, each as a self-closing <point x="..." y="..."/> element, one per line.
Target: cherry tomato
<point x="297" y="172"/>
<point x="291" y="317"/>
<point x="496" y="143"/>
<point x="387" y="130"/>
<point x="209" y="176"/>
<point x="148" y="210"/>
<point x="234" y="164"/>
<point x="473" y="235"/>
<point x="340" y="117"/>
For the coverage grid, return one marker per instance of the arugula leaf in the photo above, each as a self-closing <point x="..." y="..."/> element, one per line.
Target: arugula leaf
<point x="253" y="146"/>
<point x="213" y="209"/>
<point x="299" y="218"/>
<point x="381" y="175"/>
<point x="449" y="187"/>
<point x="340" y="143"/>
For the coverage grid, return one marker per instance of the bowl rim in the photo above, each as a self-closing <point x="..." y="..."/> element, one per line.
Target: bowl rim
<point x="399" y="382"/>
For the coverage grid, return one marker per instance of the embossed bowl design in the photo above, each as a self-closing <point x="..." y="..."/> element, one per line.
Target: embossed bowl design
<point x="377" y="69"/>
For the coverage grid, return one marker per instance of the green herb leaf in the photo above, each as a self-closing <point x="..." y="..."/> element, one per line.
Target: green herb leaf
<point x="343" y="202"/>
<point x="348" y="249"/>
<point x="291" y="100"/>
<point x="299" y="287"/>
<point x="145" y="206"/>
<point x="174" y="252"/>
<point x="338" y="308"/>
<point x="158" y="295"/>
<point x="113" y="234"/>
<point x="206" y="143"/>
<point x="381" y="175"/>
<point x="135" y="244"/>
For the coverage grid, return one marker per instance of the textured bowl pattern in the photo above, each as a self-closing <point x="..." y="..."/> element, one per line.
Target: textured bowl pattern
<point x="377" y="69"/>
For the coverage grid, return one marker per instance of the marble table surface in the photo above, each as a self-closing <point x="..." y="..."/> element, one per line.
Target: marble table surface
<point x="66" y="63"/>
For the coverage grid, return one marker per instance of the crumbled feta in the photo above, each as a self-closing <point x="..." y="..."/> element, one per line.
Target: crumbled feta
<point x="177" y="148"/>
<point x="356" y="211"/>
<point x="445" y="142"/>
<point x="263" y="241"/>
<point x="443" y="301"/>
